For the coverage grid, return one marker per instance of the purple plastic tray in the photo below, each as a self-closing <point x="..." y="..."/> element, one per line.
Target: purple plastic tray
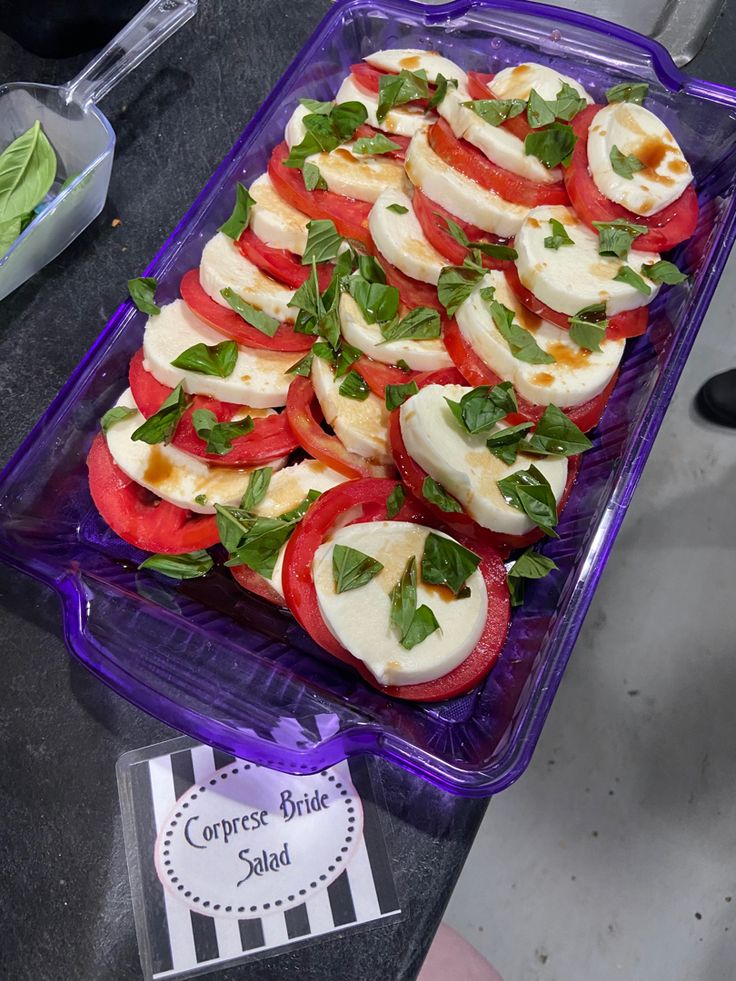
<point x="238" y="674"/>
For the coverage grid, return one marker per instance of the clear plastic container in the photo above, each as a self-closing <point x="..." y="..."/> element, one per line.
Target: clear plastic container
<point x="239" y="674"/>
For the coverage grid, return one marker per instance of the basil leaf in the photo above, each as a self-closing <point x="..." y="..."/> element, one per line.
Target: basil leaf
<point x="323" y="242"/>
<point x="616" y="237"/>
<point x="455" y="285"/>
<point x="375" y="145"/>
<point x="313" y="179"/>
<point x="588" y="326"/>
<point x="233" y="526"/>
<point x="251" y="315"/>
<point x="423" y="623"/>
<point x="632" y="278"/>
<point x="504" y="443"/>
<point x="436" y="494"/>
<point x="404" y="599"/>
<point x="558" y="237"/>
<point x="664" y="272"/>
<point x="116" y="414"/>
<point x="200" y="499"/>
<point x="370" y="268"/>
<point x="625" y="166"/>
<point x="160" y="427"/>
<point x="441" y="85"/>
<point x="568" y="103"/>
<point x="142" y="292"/>
<point x="347" y="355"/>
<point x="308" y="298"/>
<point x="420" y="324"/>
<point x="10" y="229"/>
<point x="296" y="514"/>
<point x="395" y="501"/>
<point x="398" y="209"/>
<point x="347" y="117"/>
<point x="479" y="410"/>
<point x="397" y="90"/>
<point x="352" y="569"/>
<point x="316" y="107"/>
<point x="492" y="249"/>
<point x="302" y="367"/>
<point x="311" y="144"/>
<point x="539" y="112"/>
<point x="377" y="301"/>
<point x="396" y="395"/>
<point x="189" y="565"/>
<point x="447" y="563"/>
<point x="529" y="491"/>
<point x="27" y="171"/>
<point x="354" y="386"/>
<point x="557" y="435"/>
<point x="553" y="145"/>
<point x="257" y="488"/>
<point x="219" y="435"/>
<point x="521" y="342"/>
<point x="209" y="359"/>
<point x="496" y="111"/>
<point x="529" y="565"/>
<point x="628" y="92"/>
<point x="240" y="217"/>
<point x="403" y="365"/>
<point x="259" y="548"/>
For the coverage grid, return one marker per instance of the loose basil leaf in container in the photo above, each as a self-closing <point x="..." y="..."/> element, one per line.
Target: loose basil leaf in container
<point x="240" y="217"/>
<point x="628" y="92"/>
<point x="190" y="565"/>
<point x="529" y="565"/>
<point x="142" y="292"/>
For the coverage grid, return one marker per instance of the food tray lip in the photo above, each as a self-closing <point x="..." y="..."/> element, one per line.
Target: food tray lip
<point x="511" y="763"/>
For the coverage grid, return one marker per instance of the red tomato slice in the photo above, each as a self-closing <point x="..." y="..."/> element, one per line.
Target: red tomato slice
<point x="379" y="375"/>
<point x="478" y="89"/>
<point x="231" y="324"/>
<point x="280" y="264"/>
<point x="301" y="595"/>
<point x="473" y="163"/>
<point x="256" y="583"/>
<point x="669" y="227"/>
<point x="350" y="216"/>
<point x="301" y="403"/>
<point x="476" y="372"/>
<point x="271" y="436"/>
<point x="366" y="77"/>
<point x="412" y="292"/>
<point x="631" y="323"/>
<point x="403" y="141"/>
<point x="138" y="516"/>
<point x="444" y="376"/>
<point x="431" y="216"/>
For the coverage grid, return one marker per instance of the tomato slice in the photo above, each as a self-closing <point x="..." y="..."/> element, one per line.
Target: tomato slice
<point x="478" y="89"/>
<point x="403" y="141"/>
<point x="366" y="77"/>
<point x="301" y="595"/>
<point x="284" y="266"/>
<point x="669" y="227"/>
<point x="271" y="436"/>
<point x="256" y="583"/>
<point x="431" y="216"/>
<point x="630" y="323"/>
<point x="412" y="292"/>
<point x="350" y="216"/>
<point x="301" y="404"/>
<point x="476" y="372"/>
<point x="232" y="325"/>
<point x="473" y="163"/>
<point x="379" y="375"/>
<point x="138" y="516"/>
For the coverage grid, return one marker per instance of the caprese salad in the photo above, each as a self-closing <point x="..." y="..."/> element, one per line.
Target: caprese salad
<point x="374" y="392"/>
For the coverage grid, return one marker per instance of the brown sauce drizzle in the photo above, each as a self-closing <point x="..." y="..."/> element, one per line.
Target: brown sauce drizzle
<point x="543" y="378"/>
<point x="159" y="467"/>
<point x="568" y="356"/>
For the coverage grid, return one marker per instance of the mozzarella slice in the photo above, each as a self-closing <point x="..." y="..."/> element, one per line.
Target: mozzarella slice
<point x="462" y="463"/>
<point x="576" y="376"/>
<point x="499" y="144"/>
<point x="399" y="237"/>
<point x="460" y="195"/>
<point x="360" y="176"/>
<point x="575" y="276"/>
<point x="360" y="619"/>
<point x="635" y="130"/>
<point x="404" y="120"/>
<point x="274" y="221"/>
<point x="223" y="265"/>
<point x="173" y="475"/>
<point x="429" y="355"/>
<point x="415" y="59"/>
<point x="295" y="130"/>
<point x="362" y="427"/>
<point x="259" y="378"/>
<point x="518" y="81"/>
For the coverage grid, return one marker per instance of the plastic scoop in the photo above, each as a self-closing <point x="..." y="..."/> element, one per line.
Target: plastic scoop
<point x="82" y="138"/>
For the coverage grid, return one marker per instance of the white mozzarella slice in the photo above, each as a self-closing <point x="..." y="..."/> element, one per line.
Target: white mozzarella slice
<point x="259" y="378"/>
<point x="360" y="176"/>
<point x="274" y="221"/>
<point x="223" y="265"/>
<point x="575" y="377"/>
<point x="362" y="427"/>
<point x="399" y="237"/>
<point x="415" y="59"/>
<point x="573" y="277"/>
<point x="499" y="144"/>
<point x="173" y="475"/>
<point x="635" y="130"/>
<point x="295" y="130"/>
<point x="360" y="619"/>
<point x="429" y="355"/>
<point x="404" y="120"/>
<point x="460" y="195"/>
<point x="462" y="463"/>
<point x="518" y="81"/>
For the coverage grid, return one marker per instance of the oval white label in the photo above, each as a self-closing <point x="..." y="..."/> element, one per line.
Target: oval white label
<point x="249" y="841"/>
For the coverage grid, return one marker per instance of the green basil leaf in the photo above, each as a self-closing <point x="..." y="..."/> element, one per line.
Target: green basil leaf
<point x="308" y="298"/>
<point x="423" y="623"/>
<point x="447" y="563"/>
<point x="420" y="324"/>
<point x="552" y="145"/>
<point x="142" y="292"/>
<point x="233" y="526"/>
<point x="189" y="565"/>
<point x="347" y="117"/>
<point x="625" y="166"/>
<point x="260" y="547"/>
<point x="398" y="209"/>
<point x="529" y="565"/>
<point x="588" y="326"/>
<point x="200" y="499"/>
<point x="557" y="435"/>
<point x="397" y="90"/>
<point x="370" y="269"/>
<point x="10" y="229"/>
<point x="504" y="443"/>
<point x="529" y="491"/>
<point x="403" y="365"/>
<point x="302" y="367"/>
<point x="404" y="599"/>
<point x="209" y="359"/>
<point x="664" y="272"/>
<point x="27" y="171"/>
<point x="521" y="342"/>
<point x="323" y="242"/>
<point x="479" y="410"/>
<point x="317" y="108"/>
<point x="354" y="386"/>
<point x="441" y="85"/>
<point x="311" y="144"/>
<point x="296" y="514"/>
<point x="632" y="278"/>
<point x="347" y="355"/>
<point x="219" y="435"/>
<point x="396" y="395"/>
<point x="395" y="501"/>
<point x="257" y="488"/>
<point x="313" y="179"/>
<point x="240" y="217"/>
<point x="455" y="285"/>
<point x="568" y="103"/>
<point x="160" y="427"/>
<point x="496" y="111"/>
<point x="375" y="145"/>
<point x="437" y="495"/>
<point x="251" y="315"/>
<point x="628" y="92"/>
<point x="116" y="414"/>
<point x="352" y="569"/>
<point x="377" y="301"/>
<point x="492" y="249"/>
<point x="558" y="237"/>
<point x="539" y="112"/>
<point x="616" y="237"/>
<point x="455" y="230"/>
